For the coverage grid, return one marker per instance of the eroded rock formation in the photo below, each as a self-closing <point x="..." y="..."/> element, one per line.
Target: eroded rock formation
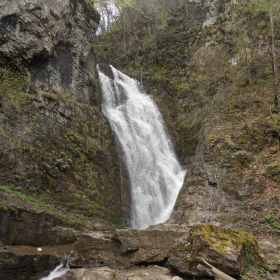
<point x="177" y="247"/>
<point x="53" y="40"/>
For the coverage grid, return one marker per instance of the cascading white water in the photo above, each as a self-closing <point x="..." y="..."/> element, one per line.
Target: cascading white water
<point x="60" y="270"/>
<point x="154" y="171"/>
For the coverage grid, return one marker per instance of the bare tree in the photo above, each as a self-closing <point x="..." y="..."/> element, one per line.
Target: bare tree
<point x="272" y="51"/>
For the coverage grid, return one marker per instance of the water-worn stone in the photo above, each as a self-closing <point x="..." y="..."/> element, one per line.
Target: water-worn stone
<point x="103" y="273"/>
<point x="148" y="246"/>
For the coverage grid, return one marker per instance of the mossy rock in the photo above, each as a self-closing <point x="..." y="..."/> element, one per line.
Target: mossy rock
<point x="232" y="251"/>
<point x="4" y="208"/>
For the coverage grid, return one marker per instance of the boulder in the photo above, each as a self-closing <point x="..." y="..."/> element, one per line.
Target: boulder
<point x="144" y="273"/>
<point x="103" y="273"/>
<point x="147" y="246"/>
<point x="123" y="247"/>
<point x="94" y="249"/>
<point x="229" y="250"/>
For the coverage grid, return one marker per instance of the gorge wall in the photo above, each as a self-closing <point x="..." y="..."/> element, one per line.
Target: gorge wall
<point x="53" y="40"/>
<point x="214" y="86"/>
<point x="57" y="150"/>
<point x="59" y="172"/>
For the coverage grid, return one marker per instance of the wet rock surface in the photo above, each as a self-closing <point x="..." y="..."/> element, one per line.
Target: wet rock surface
<point x="163" y="252"/>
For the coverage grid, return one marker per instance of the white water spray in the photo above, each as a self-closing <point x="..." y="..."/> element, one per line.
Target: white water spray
<point x="154" y="171"/>
<point x="60" y="270"/>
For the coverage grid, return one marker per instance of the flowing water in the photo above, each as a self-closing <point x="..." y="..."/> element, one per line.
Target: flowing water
<point x="154" y="171"/>
<point x="60" y="270"/>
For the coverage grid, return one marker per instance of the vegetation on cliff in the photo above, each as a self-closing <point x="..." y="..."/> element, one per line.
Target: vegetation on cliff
<point x="56" y="145"/>
<point x="53" y="148"/>
<point x="215" y="84"/>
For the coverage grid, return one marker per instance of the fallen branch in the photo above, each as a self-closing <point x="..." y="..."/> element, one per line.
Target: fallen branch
<point x="213" y="271"/>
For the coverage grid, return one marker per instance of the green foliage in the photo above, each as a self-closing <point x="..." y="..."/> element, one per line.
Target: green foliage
<point x="57" y="164"/>
<point x="12" y="82"/>
<point x="247" y="218"/>
<point x="253" y="273"/>
<point x="16" y="191"/>
<point x="4" y="208"/>
<point x="254" y="8"/>
<point x="273" y="170"/>
<point x="275" y="165"/>
<point x="274" y="223"/>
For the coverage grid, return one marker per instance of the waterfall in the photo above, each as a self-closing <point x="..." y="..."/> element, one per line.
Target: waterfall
<point x="154" y="172"/>
<point x="60" y="270"/>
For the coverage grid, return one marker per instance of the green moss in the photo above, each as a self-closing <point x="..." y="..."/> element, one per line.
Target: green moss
<point x="221" y="241"/>
<point x="4" y="208"/>
<point x="12" y="82"/>
<point x="183" y="247"/>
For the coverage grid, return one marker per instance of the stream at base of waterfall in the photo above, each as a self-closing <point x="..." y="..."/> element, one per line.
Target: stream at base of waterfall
<point x="155" y="173"/>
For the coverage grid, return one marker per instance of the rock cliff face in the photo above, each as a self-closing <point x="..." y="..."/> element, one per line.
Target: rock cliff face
<point x="202" y="198"/>
<point x="53" y="40"/>
<point x="56" y="145"/>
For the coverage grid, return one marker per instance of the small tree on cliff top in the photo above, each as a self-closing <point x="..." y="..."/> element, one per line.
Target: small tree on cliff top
<point x="273" y="14"/>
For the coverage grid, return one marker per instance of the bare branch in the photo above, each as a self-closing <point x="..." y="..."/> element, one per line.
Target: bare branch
<point x="213" y="271"/>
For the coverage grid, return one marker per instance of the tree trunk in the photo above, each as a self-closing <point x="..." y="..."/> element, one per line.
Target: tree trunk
<point x="274" y="59"/>
<point x="213" y="271"/>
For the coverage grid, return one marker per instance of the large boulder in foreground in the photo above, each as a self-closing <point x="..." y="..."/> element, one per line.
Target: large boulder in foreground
<point x="229" y="250"/>
<point x="124" y="247"/>
<point x="180" y="248"/>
